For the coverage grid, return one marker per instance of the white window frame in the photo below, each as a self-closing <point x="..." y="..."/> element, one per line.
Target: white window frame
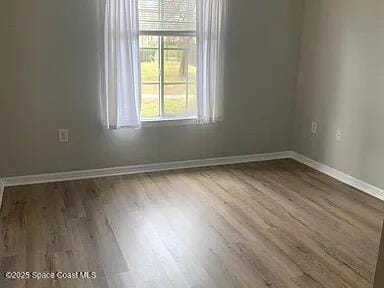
<point x="168" y="119"/>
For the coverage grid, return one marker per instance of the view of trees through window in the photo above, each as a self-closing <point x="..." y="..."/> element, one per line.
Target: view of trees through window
<point x="168" y="69"/>
<point x="168" y="56"/>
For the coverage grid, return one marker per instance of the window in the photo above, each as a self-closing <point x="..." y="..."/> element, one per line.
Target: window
<point x="168" y="59"/>
<point x="156" y="57"/>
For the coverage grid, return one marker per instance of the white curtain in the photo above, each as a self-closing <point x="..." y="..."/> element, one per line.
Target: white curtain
<point x="122" y="64"/>
<point x="211" y="16"/>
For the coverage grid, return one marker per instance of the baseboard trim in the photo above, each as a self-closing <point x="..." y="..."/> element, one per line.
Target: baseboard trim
<point x="345" y="178"/>
<point x="134" y="169"/>
<point x="96" y="173"/>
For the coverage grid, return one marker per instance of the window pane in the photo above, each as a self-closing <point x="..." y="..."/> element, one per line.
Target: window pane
<point x="192" y="60"/>
<point x="174" y="69"/>
<point x="192" y="78"/>
<point x="149" y="42"/>
<point x="150" y="104"/>
<point x="175" y="99"/>
<point x="179" y="60"/>
<point x="192" y="99"/>
<point x="181" y="42"/>
<point x="149" y="59"/>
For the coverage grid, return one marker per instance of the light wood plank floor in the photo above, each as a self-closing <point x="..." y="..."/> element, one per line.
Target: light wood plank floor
<point x="269" y="224"/>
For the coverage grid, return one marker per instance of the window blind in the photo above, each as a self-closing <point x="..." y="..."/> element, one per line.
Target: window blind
<point x="167" y="15"/>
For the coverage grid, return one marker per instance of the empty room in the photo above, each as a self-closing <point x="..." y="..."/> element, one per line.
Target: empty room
<point x="191" y="143"/>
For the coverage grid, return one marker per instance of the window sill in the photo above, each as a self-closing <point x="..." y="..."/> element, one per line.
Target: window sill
<point x="163" y="121"/>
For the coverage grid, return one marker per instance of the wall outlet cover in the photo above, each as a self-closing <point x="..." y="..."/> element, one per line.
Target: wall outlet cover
<point x="339" y="135"/>
<point x="314" y="127"/>
<point x="63" y="135"/>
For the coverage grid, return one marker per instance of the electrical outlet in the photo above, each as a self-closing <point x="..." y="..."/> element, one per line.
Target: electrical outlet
<point x="63" y="135"/>
<point x="339" y="135"/>
<point x="314" y="127"/>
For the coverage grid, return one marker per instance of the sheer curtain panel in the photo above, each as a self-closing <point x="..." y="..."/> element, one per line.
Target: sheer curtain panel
<point x="211" y="15"/>
<point x="122" y="63"/>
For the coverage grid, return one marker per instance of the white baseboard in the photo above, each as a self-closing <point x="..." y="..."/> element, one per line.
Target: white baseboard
<point x="345" y="178"/>
<point x="134" y="169"/>
<point x="95" y="173"/>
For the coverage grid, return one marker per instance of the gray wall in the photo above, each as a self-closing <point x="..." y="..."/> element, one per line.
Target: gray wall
<point x="341" y="85"/>
<point x="49" y="80"/>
